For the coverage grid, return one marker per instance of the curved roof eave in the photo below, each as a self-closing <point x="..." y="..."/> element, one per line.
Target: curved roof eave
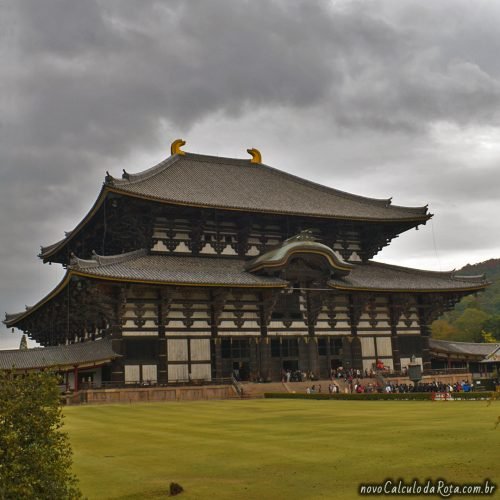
<point x="408" y="290"/>
<point x="417" y="219"/>
<point x="50" y="250"/>
<point x="174" y="283"/>
<point x="15" y="319"/>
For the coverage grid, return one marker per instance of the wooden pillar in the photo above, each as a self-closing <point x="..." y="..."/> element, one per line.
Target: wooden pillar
<point x="117" y="365"/>
<point x="312" y="349"/>
<point x="265" y="358"/>
<point x="75" y="377"/>
<point x="355" y="311"/>
<point x="217" y="357"/>
<point x="425" y="317"/>
<point x="254" y="358"/>
<point x="346" y="352"/>
<point x="268" y="302"/>
<point x="304" y="354"/>
<point x="162" y="341"/>
<point x="394" y="315"/>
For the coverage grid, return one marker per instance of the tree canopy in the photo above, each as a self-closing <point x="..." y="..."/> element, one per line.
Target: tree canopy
<point x="35" y="455"/>
<point x="476" y="318"/>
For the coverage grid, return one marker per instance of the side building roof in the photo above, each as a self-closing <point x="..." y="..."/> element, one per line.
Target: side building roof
<point x="64" y="356"/>
<point x="484" y="350"/>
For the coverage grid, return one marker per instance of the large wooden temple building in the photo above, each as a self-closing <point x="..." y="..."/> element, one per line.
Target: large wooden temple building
<point x="203" y="265"/>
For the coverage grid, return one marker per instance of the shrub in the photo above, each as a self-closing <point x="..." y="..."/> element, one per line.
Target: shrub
<point x="375" y="396"/>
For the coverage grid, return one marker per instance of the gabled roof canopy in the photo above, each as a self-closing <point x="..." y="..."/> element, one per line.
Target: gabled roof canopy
<point x="301" y="246"/>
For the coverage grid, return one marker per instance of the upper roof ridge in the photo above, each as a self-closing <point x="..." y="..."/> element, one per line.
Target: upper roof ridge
<point x="128" y="178"/>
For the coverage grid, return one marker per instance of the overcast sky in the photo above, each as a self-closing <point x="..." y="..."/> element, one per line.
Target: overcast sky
<point x="387" y="98"/>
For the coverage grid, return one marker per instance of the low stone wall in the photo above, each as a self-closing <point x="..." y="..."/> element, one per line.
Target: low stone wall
<point x="132" y="395"/>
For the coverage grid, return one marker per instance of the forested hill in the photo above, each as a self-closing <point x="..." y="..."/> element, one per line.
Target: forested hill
<point x="474" y="318"/>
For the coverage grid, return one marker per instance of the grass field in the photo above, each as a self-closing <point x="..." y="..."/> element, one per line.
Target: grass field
<point x="278" y="449"/>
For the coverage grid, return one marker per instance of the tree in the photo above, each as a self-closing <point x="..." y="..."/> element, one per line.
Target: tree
<point x="441" y="329"/>
<point x="492" y="325"/>
<point x="35" y="455"/>
<point x="470" y="325"/>
<point x="488" y="338"/>
<point x="24" y="343"/>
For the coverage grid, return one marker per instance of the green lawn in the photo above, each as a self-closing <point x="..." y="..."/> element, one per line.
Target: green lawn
<point x="278" y="449"/>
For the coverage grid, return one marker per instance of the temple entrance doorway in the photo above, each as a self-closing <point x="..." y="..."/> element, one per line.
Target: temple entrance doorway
<point x="291" y="364"/>
<point x="335" y="363"/>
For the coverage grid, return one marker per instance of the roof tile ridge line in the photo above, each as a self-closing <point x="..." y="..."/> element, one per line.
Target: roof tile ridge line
<point x="145" y="174"/>
<point x="447" y="274"/>
<point x="106" y="260"/>
<point x="245" y="162"/>
<point x="471" y="277"/>
<point x="494" y="352"/>
<point x="384" y="202"/>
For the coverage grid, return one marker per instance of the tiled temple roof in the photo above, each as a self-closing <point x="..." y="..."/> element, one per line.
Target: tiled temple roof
<point x="85" y="353"/>
<point x="211" y="181"/>
<point x="385" y="277"/>
<point x="167" y="269"/>
<point x="140" y="267"/>
<point x="463" y="348"/>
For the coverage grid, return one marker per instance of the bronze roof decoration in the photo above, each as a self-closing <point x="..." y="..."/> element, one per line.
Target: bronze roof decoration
<point x="256" y="156"/>
<point x="175" y="147"/>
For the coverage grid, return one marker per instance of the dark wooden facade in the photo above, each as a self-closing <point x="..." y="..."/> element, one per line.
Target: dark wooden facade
<point x="174" y="312"/>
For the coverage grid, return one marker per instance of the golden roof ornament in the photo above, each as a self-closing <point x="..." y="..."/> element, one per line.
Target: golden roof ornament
<point x="256" y="156"/>
<point x="175" y="147"/>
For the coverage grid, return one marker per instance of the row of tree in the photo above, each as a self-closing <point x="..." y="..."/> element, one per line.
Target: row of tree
<point x="475" y="318"/>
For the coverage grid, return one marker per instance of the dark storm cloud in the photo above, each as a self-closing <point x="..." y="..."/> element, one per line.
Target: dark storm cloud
<point x="87" y="86"/>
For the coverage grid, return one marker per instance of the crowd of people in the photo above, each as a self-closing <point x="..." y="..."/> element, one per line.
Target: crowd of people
<point x="359" y="386"/>
<point x="354" y="380"/>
